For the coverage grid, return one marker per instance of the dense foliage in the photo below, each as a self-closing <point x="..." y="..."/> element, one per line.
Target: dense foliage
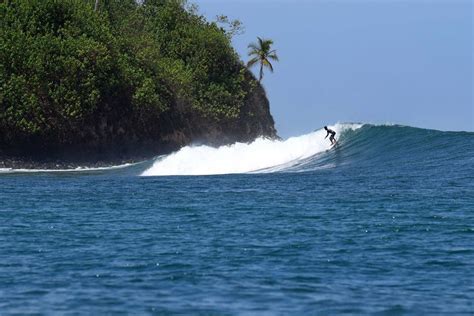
<point x="66" y="69"/>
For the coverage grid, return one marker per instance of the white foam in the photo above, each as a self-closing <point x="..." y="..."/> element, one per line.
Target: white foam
<point x="77" y="169"/>
<point x="257" y="156"/>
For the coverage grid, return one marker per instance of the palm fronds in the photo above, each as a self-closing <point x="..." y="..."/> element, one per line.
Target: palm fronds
<point x="261" y="52"/>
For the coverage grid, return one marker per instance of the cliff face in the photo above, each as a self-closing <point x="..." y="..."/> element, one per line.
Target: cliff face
<point x="115" y="139"/>
<point x="255" y="120"/>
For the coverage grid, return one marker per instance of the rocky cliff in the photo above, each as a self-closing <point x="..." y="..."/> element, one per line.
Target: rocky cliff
<point x="116" y="140"/>
<point x="123" y="83"/>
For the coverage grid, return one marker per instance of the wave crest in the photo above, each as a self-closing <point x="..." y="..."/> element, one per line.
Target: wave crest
<point x="258" y="156"/>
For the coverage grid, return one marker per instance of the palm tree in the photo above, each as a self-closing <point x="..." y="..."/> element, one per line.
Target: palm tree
<point x="262" y="53"/>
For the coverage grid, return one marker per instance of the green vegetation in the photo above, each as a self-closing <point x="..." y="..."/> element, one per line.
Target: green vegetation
<point x="262" y="52"/>
<point x="67" y="70"/>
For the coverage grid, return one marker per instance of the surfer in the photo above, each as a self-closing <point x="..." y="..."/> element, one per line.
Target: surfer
<point x="332" y="133"/>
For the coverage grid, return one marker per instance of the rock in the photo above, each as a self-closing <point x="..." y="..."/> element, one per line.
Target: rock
<point x="175" y="129"/>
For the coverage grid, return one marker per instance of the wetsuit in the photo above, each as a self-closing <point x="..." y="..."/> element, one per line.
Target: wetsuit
<point x="332" y="133"/>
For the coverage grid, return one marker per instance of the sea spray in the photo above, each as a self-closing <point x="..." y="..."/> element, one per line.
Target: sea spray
<point x="242" y="157"/>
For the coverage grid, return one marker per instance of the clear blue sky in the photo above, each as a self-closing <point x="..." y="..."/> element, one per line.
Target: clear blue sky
<point x="404" y="62"/>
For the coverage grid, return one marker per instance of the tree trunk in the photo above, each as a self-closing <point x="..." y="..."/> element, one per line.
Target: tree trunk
<point x="96" y="7"/>
<point x="261" y="72"/>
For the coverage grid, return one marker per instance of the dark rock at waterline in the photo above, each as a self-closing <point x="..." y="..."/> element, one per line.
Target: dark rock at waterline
<point x="117" y="141"/>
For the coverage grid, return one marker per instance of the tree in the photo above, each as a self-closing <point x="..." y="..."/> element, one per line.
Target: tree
<point x="230" y="27"/>
<point x="262" y="52"/>
<point x="64" y="70"/>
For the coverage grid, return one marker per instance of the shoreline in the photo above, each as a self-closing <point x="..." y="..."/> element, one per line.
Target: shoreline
<point x="23" y="163"/>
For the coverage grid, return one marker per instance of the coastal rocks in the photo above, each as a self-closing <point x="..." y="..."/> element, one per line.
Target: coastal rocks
<point x="118" y="141"/>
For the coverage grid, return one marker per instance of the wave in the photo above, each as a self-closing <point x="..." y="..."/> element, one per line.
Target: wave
<point x="262" y="155"/>
<point x="375" y="147"/>
<point x="78" y="169"/>
<point x="406" y="149"/>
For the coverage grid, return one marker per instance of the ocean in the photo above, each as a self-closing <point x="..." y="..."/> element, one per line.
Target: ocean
<point x="381" y="224"/>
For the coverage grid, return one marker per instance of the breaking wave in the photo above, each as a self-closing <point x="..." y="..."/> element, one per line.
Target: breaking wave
<point x="262" y="155"/>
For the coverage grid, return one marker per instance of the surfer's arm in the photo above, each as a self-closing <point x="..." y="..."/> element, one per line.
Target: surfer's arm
<point x="326" y="135"/>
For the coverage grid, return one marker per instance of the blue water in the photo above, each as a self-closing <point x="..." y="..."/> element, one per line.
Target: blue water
<point x="383" y="224"/>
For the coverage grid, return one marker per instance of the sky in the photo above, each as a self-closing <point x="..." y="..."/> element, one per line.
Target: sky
<point x="373" y="61"/>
